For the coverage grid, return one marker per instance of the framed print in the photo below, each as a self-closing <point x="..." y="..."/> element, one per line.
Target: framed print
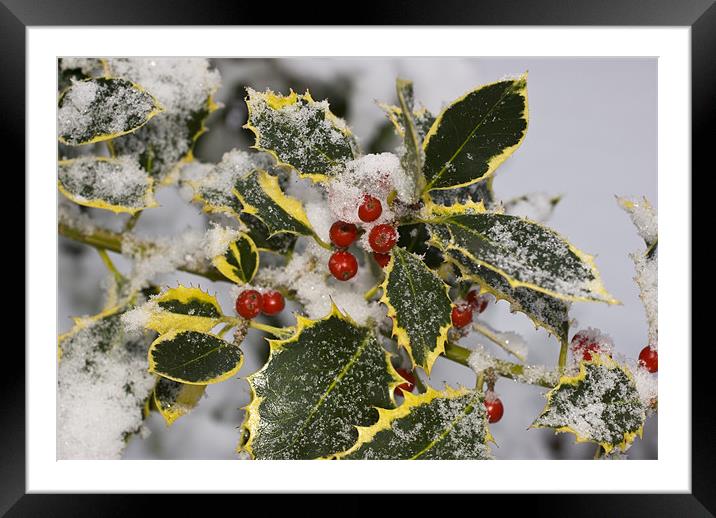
<point x="366" y="243"/>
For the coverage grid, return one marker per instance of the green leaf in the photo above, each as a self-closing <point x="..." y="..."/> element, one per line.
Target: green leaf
<point x="174" y="400"/>
<point x="434" y="425"/>
<point x="299" y="132"/>
<point x="183" y="308"/>
<point x="545" y="311"/>
<point x="185" y="87"/>
<point x="422" y="117"/>
<point x="475" y="134"/>
<point x="419" y="304"/>
<point x="525" y="253"/>
<point x="265" y="242"/>
<point x="412" y="160"/>
<point x="100" y="109"/>
<point x="329" y="376"/>
<point x="261" y="196"/>
<point x="116" y="184"/>
<point x="600" y="404"/>
<point x="240" y="262"/>
<point x="193" y="357"/>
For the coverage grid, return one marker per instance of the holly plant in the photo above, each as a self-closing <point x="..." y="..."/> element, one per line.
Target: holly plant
<point x="360" y="270"/>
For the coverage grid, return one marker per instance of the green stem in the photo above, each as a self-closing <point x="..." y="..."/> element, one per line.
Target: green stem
<point x="132" y="221"/>
<point x="118" y="277"/>
<point x="514" y="371"/>
<point x="112" y="241"/>
<point x="369" y="294"/>
<point x="280" y="332"/>
<point x="419" y="382"/>
<point x="562" y="362"/>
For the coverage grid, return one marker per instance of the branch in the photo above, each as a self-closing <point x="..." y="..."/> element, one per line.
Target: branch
<point x="510" y="370"/>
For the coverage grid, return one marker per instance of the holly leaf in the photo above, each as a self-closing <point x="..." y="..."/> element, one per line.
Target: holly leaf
<point x="422" y="117"/>
<point x="412" y="159"/>
<point x="185" y="87"/>
<point x="116" y="184"/>
<point x="419" y="305"/>
<point x="265" y="242"/>
<point x="182" y="308"/>
<point x="600" y="404"/>
<point x="475" y="134"/>
<point x="240" y="262"/>
<point x="299" y="132"/>
<point x="329" y="376"/>
<point x="545" y="311"/>
<point x="260" y="195"/>
<point x="174" y="400"/>
<point x="194" y="358"/>
<point x="525" y="253"/>
<point x="100" y="109"/>
<point x="451" y="424"/>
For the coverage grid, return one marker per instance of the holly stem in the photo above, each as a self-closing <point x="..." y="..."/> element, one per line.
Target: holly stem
<point x="118" y="277"/>
<point x="492" y="335"/>
<point x="419" y="382"/>
<point x="112" y="241"/>
<point x="514" y="371"/>
<point x="371" y="292"/>
<point x="563" y="350"/>
<point x="132" y="221"/>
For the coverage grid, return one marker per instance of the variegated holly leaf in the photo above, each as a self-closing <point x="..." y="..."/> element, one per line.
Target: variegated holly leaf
<point x="422" y="117"/>
<point x="182" y="308"/>
<point x="412" y="159"/>
<point x="265" y="242"/>
<point x="174" y="400"/>
<point x="299" y="132"/>
<point x="100" y="109"/>
<point x="475" y="134"/>
<point x="116" y="184"/>
<point x="600" y="404"/>
<point x="544" y="310"/>
<point x="193" y="357"/>
<point x="474" y="193"/>
<point x="260" y="195"/>
<point x="240" y="262"/>
<point x="525" y="253"/>
<point x="185" y="88"/>
<point x="329" y="376"/>
<point x="419" y="304"/>
<point x="451" y="424"/>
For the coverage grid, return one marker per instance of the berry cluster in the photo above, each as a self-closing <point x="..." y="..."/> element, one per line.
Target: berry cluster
<point x="250" y="303"/>
<point x="382" y="238"/>
<point x="462" y="311"/>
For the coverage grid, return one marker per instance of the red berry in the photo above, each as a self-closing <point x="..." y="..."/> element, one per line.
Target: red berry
<point x="381" y="259"/>
<point x="478" y="302"/>
<point x="461" y="315"/>
<point x="382" y="238"/>
<point x="343" y="265"/>
<point x="405" y="387"/>
<point x="272" y="303"/>
<point x="342" y="234"/>
<point x="581" y="343"/>
<point x="248" y="303"/>
<point x="649" y="359"/>
<point x="370" y="209"/>
<point x="495" y="409"/>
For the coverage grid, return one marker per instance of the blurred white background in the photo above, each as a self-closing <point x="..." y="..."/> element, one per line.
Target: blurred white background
<point x="592" y="135"/>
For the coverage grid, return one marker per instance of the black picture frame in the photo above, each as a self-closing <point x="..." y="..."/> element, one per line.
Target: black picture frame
<point x="699" y="15"/>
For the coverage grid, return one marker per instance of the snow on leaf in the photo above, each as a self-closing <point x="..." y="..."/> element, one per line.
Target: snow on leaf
<point x="422" y="117"/>
<point x="600" y="404"/>
<point x="174" y="400"/>
<point x="315" y="388"/>
<point x="419" y="304"/>
<point x="299" y="132"/>
<point x="116" y="184"/>
<point x="525" y="253"/>
<point x="451" y="424"/>
<point x="475" y="134"/>
<point x="240" y="262"/>
<point x="100" y="109"/>
<point x="193" y="357"/>
<point x="412" y="160"/>
<point x="179" y="308"/>
<point x="185" y="88"/>
<point x="102" y="386"/>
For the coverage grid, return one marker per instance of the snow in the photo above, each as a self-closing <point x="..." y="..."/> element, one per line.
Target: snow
<point x="120" y="181"/>
<point x="643" y="215"/>
<point x="100" y="394"/>
<point x="217" y="240"/>
<point x="647" y="279"/>
<point x="536" y="206"/>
